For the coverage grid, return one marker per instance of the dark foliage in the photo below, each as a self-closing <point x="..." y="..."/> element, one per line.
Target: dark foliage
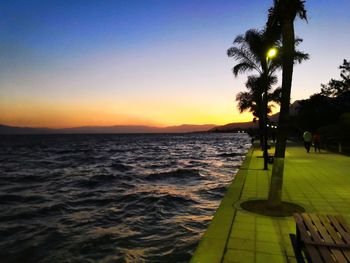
<point x="319" y="111"/>
<point x="334" y="87"/>
<point x="251" y="100"/>
<point x="328" y="112"/>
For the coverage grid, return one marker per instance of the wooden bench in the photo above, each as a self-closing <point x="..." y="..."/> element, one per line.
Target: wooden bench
<point x="321" y="238"/>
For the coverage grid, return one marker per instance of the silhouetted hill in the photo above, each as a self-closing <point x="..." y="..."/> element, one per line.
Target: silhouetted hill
<point x="246" y="125"/>
<point x="4" y="129"/>
<point x="233" y="126"/>
<point x="293" y="110"/>
<point x="188" y="128"/>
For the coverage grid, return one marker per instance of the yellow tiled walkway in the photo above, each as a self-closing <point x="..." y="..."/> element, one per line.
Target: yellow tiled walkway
<point x="318" y="182"/>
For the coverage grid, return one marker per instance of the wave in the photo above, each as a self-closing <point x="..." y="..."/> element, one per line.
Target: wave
<point x="36" y="212"/>
<point x="181" y="174"/>
<point x="175" y="200"/>
<point x="103" y="178"/>
<point x="16" y="198"/>
<point x="153" y="201"/>
<point x="23" y="178"/>
<point x="104" y="198"/>
<point x="215" y="193"/>
<point x="228" y="154"/>
<point x="92" y="202"/>
<point x="120" y="167"/>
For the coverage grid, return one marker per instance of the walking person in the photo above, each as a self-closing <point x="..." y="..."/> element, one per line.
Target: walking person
<point x="317" y="140"/>
<point x="307" y="136"/>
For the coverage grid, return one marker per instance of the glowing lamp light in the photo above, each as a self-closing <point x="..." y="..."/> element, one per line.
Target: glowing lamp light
<point x="272" y="52"/>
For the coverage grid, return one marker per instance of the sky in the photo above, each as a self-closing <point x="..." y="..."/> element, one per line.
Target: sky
<point x="160" y="63"/>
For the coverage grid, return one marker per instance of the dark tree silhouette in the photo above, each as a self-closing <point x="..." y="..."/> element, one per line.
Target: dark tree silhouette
<point x="250" y="51"/>
<point x="281" y="22"/>
<point x="330" y="116"/>
<point x="315" y="112"/>
<point x="326" y="108"/>
<point x="334" y="87"/>
<point x="251" y="99"/>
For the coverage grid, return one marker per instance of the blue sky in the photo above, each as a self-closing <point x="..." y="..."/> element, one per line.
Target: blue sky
<point x="69" y="63"/>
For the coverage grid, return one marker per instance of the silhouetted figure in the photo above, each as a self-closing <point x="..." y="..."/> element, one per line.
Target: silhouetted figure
<point x="307" y="136"/>
<point x="317" y="140"/>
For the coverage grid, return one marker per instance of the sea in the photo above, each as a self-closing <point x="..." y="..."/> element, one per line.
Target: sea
<point x="112" y="197"/>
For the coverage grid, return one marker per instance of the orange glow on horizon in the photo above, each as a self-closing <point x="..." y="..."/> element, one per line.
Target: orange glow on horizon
<point x="35" y="113"/>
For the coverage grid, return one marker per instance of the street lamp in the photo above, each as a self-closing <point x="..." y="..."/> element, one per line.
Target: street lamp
<point x="271" y="53"/>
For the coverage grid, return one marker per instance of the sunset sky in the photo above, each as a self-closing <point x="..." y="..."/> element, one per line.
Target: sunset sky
<point x="74" y="63"/>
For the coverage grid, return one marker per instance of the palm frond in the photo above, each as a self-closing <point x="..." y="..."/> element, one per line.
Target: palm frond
<point x="272" y="80"/>
<point x="300" y="56"/>
<point x="285" y="9"/>
<point x="239" y="39"/>
<point x="297" y="41"/>
<point x="244" y="57"/>
<point x="273" y="26"/>
<point x="301" y="11"/>
<point x="275" y="96"/>
<point x="242" y="68"/>
<point x="249" y="51"/>
<point x="245" y="101"/>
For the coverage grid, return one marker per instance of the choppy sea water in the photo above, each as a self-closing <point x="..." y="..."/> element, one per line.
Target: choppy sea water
<point x="111" y="198"/>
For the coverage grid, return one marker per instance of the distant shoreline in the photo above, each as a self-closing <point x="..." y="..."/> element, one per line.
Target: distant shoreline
<point x="121" y="129"/>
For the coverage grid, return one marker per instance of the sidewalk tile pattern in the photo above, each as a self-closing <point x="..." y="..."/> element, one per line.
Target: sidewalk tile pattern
<point x="320" y="182"/>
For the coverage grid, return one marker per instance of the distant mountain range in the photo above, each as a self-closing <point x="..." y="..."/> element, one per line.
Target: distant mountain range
<point x="4" y="129"/>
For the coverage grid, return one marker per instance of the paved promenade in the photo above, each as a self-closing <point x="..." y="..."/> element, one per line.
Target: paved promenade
<point x="320" y="182"/>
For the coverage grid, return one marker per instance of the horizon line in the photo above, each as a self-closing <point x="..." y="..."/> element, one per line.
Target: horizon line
<point x="118" y="125"/>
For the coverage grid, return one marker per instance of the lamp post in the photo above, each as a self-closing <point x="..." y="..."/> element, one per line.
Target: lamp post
<point x="271" y="53"/>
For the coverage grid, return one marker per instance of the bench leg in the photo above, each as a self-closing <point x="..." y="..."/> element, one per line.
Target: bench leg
<point x="296" y="248"/>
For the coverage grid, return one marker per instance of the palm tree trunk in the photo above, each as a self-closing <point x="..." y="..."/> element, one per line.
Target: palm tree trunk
<point x="275" y="193"/>
<point x="265" y="136"/>
<point x="261" y="125"/>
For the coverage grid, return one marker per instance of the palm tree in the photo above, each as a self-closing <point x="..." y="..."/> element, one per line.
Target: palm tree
<point x="281" y="23"/>
<point x="251" y="100"/>
<point x="250" y="51"/>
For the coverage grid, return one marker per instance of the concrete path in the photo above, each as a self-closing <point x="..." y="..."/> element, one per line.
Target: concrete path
<point x="320" y="182"/>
